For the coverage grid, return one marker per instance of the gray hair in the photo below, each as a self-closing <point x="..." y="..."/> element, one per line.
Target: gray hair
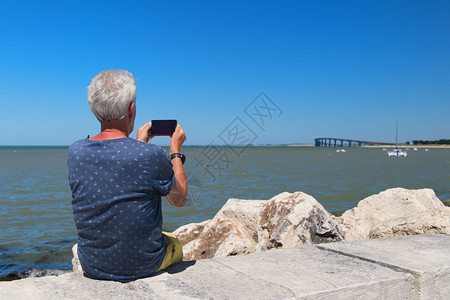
<point x="110" y="94"/>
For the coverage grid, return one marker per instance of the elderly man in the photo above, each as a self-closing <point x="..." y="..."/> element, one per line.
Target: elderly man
<point x="117" y="183"/>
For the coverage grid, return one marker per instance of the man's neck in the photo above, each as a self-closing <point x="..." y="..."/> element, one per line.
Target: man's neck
<point x="109" y="134"/>
<point x="111" y="130"/>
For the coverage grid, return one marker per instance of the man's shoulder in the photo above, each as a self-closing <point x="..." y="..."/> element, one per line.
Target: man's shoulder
<point x="128" y="144"/>
<point x="76" y="145"/>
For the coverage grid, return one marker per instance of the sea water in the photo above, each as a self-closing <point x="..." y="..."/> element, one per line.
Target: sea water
<point x="36" y="223"/>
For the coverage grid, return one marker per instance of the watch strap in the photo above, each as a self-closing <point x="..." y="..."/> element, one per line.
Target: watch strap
<point x="182" y="156"/>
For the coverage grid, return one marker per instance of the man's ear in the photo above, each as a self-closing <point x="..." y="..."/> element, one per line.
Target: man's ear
<point x="132" y="109"/>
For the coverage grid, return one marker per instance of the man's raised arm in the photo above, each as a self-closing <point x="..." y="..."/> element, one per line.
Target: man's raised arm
<point x="178" y="195"/>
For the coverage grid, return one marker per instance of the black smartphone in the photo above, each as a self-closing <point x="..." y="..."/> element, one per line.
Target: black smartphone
<point x="163" y="127"/>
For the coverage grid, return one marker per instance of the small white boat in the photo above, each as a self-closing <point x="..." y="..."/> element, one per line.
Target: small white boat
<point x="397" y="152"/>
<point x="426" y="149"/>
<point x="415" y="149"/>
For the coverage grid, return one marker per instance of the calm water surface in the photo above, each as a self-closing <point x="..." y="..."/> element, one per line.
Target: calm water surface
<point x="37" y="228"/>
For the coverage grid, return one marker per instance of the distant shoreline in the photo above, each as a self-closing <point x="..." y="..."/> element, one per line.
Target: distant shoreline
<point x="408" y="146"/>
<point x="300" y="145"/>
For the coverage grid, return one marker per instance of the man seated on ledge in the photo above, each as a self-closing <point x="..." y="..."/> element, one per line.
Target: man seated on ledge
<point x="117" y="183"/>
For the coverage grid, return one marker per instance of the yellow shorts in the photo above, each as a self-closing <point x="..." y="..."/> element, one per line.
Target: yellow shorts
<point x="174" y="252"/>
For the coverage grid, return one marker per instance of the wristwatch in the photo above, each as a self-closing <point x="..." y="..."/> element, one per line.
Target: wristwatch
<point x="182" y="156"/>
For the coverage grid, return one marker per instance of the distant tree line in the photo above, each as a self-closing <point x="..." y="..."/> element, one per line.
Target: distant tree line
<point x="437" y="142"/>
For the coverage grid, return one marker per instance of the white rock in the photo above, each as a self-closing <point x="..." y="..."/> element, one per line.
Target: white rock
<point x="214" y="238"/>
<point x="292" y="220"/>
<point x="244" y="213"/>
<point x="245" y="226"/>
<point x="394" y="212"/>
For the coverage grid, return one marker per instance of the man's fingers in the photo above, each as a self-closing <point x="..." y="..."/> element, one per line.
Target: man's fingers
<point x="178" y="128"/>
<point x="143" y="133"/>
<point x="146" y="126"/>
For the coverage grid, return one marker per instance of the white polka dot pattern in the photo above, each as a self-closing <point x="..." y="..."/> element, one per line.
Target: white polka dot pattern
<point x="116" y="198"/>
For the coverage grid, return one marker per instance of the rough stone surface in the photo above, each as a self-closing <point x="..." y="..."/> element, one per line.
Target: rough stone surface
<point x="292" y="220"/>
<point x="245" y="213"/>
<point x="396" y="212"/>
<point x="410" y="267"/>
<point x="245" y="226"/>
<point x="232" y="231"/>
<point x="213" y="238"/>
<point x="308" y="273"/>
<point x="426" y="257"/>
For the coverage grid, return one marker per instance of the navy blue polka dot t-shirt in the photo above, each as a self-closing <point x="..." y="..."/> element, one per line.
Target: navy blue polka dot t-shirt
<point x="116" y="198"/>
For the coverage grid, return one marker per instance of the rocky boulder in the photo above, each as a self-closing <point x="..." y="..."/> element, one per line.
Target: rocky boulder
<point x="245" y="226"/>
<point x="214" y="238"/>
<point x="292" y="220"/>
<point x="396" y="212"/>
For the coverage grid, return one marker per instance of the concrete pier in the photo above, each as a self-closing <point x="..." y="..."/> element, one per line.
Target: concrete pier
<point x="409" y="267"/>
<point x="328" y="142"/>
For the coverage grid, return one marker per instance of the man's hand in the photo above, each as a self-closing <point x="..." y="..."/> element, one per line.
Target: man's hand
<point x="177" y="140"/>
<point x="143" y="133"/>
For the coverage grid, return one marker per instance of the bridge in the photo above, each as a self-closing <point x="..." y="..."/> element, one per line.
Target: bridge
<point x="338" y="142"/>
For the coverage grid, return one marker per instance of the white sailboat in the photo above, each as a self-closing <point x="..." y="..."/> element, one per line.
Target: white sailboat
<point x="397" y="151"/>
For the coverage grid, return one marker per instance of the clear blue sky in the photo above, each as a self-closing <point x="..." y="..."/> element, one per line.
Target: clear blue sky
<point x="335" y="68"/>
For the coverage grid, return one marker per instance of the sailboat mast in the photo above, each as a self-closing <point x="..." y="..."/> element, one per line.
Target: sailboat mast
<point x="396" y="130"/>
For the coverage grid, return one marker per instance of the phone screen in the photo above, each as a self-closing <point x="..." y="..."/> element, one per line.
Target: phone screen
<point x="163" y="127"/>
